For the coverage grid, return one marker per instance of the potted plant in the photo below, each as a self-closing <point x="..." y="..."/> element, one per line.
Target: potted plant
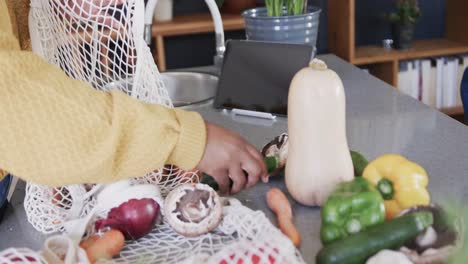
<point x="403" y="20"/>
<point x="286" y="21"/>
<point x="235" y="6"/>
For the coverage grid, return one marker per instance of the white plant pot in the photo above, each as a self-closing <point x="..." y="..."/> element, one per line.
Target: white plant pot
<point x="163" y="10"/>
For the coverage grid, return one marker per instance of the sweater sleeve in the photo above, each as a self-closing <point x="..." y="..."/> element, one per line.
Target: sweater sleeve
<point x="58" y="131"/>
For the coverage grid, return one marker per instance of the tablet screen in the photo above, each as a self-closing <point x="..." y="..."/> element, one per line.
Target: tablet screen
<point x="256" y="75"/>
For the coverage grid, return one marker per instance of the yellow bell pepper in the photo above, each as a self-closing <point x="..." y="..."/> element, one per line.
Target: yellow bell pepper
<point x="401" y="182"/>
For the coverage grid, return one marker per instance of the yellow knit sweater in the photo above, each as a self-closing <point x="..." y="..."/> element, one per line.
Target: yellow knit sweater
<point x="57" y="131"/>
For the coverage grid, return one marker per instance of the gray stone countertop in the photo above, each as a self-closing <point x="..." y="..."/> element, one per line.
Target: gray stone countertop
<point x="379" y="120"/>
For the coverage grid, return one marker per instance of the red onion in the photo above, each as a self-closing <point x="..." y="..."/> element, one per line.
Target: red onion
<point x="28" y="258"/>
<point x="134" y="218"/>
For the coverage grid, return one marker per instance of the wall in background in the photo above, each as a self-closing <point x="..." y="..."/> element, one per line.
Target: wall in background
<point x="371" y="28"/>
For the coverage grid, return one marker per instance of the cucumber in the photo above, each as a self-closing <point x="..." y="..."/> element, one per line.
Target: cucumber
<point x="356" y="249"/>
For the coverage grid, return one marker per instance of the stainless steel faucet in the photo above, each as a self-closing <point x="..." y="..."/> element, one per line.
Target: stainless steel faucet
<point x="219" y="31"/>
<point x="149" y="13"/>
<point x="218" y="24"/>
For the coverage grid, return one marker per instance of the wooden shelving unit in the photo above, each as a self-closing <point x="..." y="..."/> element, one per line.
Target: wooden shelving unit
<point x="420" y="49"/>
<point x="452" y="110"/>
<point x="187" y="25"/>
<point x="384" y="64"/>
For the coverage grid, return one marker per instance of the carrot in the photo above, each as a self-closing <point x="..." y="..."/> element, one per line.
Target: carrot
<point x="85" y="244"/>
<point x="280" y="205"/>
<point x="103" y="246"/>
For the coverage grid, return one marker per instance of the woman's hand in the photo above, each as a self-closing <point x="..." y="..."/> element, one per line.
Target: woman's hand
<point x="229" y="156"/>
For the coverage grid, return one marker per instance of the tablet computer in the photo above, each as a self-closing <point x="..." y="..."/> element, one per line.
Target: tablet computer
<point x="256" y="75"/>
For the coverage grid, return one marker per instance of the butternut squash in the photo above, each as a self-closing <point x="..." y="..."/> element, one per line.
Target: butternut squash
<point x="319" y="156"/>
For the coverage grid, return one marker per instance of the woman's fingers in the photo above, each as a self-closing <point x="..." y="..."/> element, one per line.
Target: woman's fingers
<point x="254" y="171"/>
<point x="239" y="179"/>
<point x="221" y="176"/>
<point x="260" y="159"/>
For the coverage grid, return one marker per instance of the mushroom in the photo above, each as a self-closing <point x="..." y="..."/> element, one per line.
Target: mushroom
<point x="278" y="147"/>
<point x="427" y="238"/>
<point x="389" y="257"/>
<point x="193" y="209"/>
<point x="430" y="256"/>
<point x="436" y="243"/>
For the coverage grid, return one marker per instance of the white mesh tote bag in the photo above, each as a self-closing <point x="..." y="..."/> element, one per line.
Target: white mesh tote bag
<point x="100" y="42"/>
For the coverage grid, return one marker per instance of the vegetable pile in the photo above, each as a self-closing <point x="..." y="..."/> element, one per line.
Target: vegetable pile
<point x="380" y="216"/>
<point x="373" y="219"/>
<point x="356" y="196"/>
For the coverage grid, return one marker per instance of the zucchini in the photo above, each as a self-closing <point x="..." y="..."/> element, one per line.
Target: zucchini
<point x="272" y="163"/>
<point x="210" y="181"/>
<point x="356" y="249"/>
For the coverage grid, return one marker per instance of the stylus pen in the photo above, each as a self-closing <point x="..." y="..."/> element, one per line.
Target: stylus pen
<point x="253" y="114"/>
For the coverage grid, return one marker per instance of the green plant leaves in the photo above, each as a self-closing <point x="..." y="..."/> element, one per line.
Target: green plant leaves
<point x="407" y="12"/>
<point x="292" y="7"/>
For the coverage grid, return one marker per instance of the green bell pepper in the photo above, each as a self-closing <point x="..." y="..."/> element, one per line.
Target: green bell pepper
<point x="351" y="208"/>
<point x="359" y="163"/>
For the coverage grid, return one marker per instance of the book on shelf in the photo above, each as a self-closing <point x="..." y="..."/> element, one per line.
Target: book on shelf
<point x="428" y="83"/>
<point x="439" y="81"/>
<point x="450" y="78"/>
<point x="455" y="91"/>
<point x="414" y="85"/>
<point x="408" y="78"/>
<point x="403" y="77"/>
<point x="435" y="82"/>
<point x="446" y="84"/>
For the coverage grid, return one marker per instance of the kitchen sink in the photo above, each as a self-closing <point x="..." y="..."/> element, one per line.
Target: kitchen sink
<point x="189" y="88"/>
<point x="184" y="88"/>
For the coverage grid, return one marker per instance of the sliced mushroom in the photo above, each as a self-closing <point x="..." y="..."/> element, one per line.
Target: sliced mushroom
<point x="193" y="209"/>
